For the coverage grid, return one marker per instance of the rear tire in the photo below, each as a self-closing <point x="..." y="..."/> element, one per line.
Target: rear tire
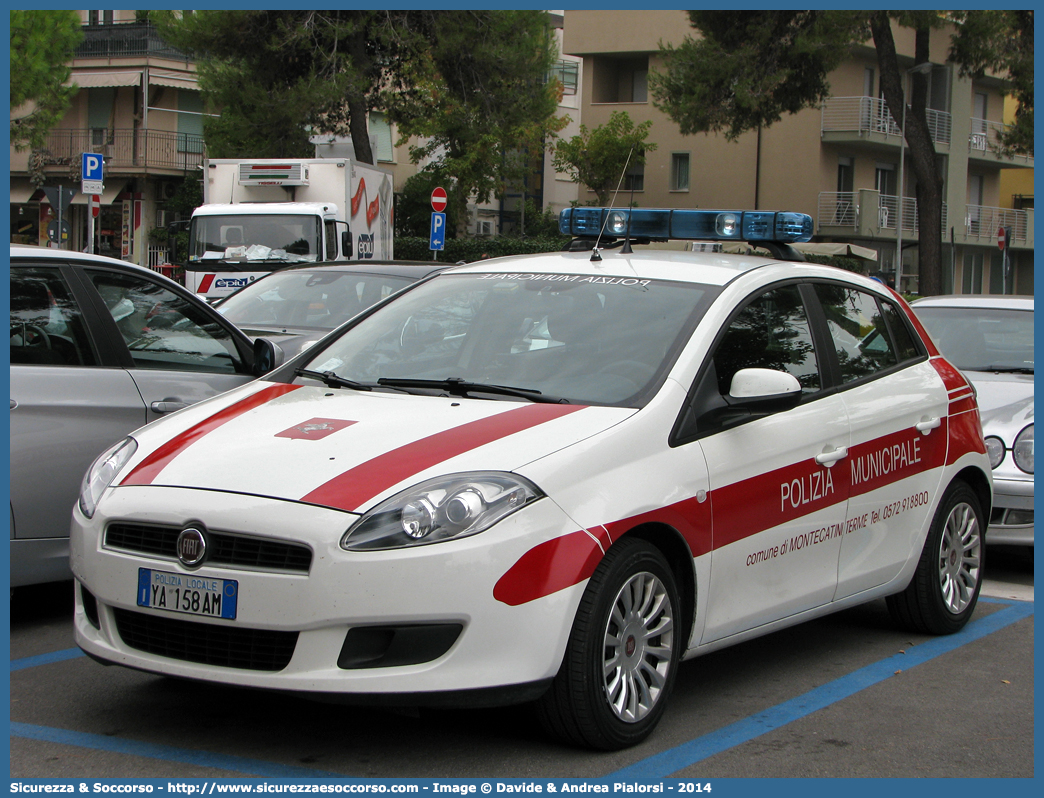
<point x="622" y="657"/>
<point x="945" y="588"/>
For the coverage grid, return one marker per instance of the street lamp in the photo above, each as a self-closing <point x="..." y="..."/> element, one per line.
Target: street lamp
<point x="919" y="69"/>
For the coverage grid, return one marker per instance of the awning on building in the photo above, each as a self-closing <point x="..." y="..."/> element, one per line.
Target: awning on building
<point x="177" y="80"/>
<point x="94" y="80"/>
<point x="112" y="190"/>
<point x="21" y="190"/>
<point x="823" y="248"/>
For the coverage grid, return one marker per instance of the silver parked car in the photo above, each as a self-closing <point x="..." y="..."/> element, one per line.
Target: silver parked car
<point x="295" y="307"/>
<point x="990" y="338"/>
<point x="99" y="347"/>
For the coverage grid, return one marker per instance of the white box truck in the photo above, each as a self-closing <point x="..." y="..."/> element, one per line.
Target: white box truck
<point x="267" y="214"/>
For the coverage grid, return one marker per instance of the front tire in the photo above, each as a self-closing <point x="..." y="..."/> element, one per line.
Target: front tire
<point x="622" y="657"/>
<point x="945" y="588"/>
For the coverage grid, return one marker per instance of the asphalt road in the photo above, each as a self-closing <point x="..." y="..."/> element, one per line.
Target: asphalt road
<point x="843" y="696"/>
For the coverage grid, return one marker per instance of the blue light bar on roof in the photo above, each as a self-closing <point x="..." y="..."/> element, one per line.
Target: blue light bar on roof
<point x="665" y="223"/>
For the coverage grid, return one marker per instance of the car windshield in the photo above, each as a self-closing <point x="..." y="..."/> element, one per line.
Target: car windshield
<point x="317" y="299"/>
<point x="255" y="237"/>
<point x="982" y="339"/>
<point x="574" y="338"/>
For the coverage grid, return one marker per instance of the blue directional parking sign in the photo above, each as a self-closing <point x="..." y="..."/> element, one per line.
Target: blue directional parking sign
<point x="438" y="231"/>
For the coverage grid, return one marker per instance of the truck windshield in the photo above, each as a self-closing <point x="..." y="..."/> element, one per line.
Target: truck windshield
<point x="255" y="237"/>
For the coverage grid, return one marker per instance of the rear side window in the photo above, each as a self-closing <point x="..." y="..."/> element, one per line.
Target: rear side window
<point x="859" y="332"/>
<point x="905" y="345"/>
<point x="47" y="326"/>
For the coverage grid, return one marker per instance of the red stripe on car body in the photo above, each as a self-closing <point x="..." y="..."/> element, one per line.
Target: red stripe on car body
<point x="149" y="468"/>
<point x="353" y="488"/>
<point x="752" y="506"/>
<point x="545" y="569"/>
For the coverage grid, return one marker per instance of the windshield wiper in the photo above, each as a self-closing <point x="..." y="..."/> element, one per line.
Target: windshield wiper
<point x="1011" y="369"/>
<point x="457" y="386"/>
<point x="332" y="380"/>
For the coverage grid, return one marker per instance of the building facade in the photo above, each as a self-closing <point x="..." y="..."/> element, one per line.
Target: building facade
<point x="839" y="163"/>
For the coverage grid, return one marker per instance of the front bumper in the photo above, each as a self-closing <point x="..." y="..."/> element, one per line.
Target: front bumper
<point x="1011" y="522"/>
<point x="346" y="607"/>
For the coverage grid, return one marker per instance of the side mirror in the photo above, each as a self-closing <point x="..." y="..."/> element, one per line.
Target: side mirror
<point x="763" y="391"/>
<point x="346" y="244"/>
<point x="267" y="356"/>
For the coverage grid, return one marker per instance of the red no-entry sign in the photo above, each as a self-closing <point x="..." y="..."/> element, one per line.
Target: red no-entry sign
<point x="438" y="199"/>
<point x="1000" y="238"/>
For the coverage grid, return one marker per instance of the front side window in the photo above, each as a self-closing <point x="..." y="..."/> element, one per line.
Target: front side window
<point x="47" y="326"/>
<point x="858" y="331"/>
<point x="163" y="330"/>
<point x="772" y="332"/>
<point x="587" y="340"/>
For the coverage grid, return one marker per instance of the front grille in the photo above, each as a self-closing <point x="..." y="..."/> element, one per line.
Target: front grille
<point x="208" y="644"/>
<point x="222" y="548"/>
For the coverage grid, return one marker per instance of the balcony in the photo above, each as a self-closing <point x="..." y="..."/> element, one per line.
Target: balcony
<point x="984" y="144"/>
<point x="130" y="151"/>
<point x="981" y="224"/>
<point x="868" y="214"/>
<point x="125" y="40"/>
<point x="847" y="119"/>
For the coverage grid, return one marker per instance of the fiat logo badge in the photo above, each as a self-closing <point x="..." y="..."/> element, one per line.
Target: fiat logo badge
<point x="192" y="547"/>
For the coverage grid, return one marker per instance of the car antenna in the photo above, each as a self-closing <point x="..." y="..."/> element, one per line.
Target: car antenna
<point x="595" y="254"/>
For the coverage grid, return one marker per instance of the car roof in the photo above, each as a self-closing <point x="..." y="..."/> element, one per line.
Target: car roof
<point x="976" y="301"/>
<point x="713" y="268"/>
<point x="402" y="268"/>
<point x="76" y="258"/>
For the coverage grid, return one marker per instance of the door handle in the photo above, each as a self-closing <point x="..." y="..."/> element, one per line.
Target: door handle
<point x="167" y="406"/>
<point x="828" y="458"/>
<point x="926" y="425"/>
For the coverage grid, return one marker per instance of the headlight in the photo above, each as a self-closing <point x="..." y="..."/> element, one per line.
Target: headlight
<point x="1022" y="451"/>
<point x="444" y="508"/>
<point x="995" y="450"/>
<point x="102" y="472"/>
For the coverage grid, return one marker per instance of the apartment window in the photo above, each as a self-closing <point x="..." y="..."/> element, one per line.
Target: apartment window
<point x="634" y="180"/>
<point x="679" y="171"/>
<point x="845" y="174"/>
<point x="190" y="121"/>
<point x="99" y="17"/>
<point x="621" y="80"/>
<point x="568" y="74"/>
<point x="885" y="179"/>
<point x="972" y="283"/>
<point x="380" y="129"/>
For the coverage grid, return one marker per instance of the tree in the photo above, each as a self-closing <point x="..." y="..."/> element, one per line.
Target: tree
<point x="750" y="68"/>
<point x="472" y="82"/>
<point x="413" y="204"/>
<point x="479" y="98"/>
<point x="42" y="45"/>
<point x="1001" y="41"/>
<point x="597" y="158"/>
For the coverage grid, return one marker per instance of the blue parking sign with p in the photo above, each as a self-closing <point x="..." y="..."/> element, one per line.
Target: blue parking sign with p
<point x="438" y="231"/>
<point x="92" y="166"/>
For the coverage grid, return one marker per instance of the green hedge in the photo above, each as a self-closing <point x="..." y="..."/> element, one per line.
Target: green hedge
<point x="471" y="249"/>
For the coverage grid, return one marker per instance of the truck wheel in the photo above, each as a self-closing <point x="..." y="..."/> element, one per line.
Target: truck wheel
<point x="622" y="656"/>
<point x="945" y="588"/>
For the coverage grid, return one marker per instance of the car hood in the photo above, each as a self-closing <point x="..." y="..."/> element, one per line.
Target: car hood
<point x="1005" y="402"/>
<point x="348" y="449"/>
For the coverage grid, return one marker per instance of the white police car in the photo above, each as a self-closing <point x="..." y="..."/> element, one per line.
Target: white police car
<point x="548" y="478"/>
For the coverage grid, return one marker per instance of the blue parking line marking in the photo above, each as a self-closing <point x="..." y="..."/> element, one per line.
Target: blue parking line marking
<point x="45" y="659"/>
<point x="117" y="745"/>
<point x="680" y="757"/>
